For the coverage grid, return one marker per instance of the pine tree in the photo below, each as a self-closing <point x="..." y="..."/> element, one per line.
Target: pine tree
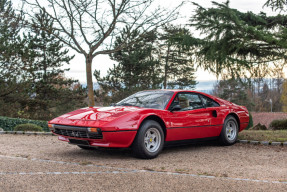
<point x="234" y="41"/>
<point x="47" y="54"/>
<point x="13" y="85"/>
<point x="137" y="69"/>
<point x="178" y="69"/>
<point x="50" y="89"/>
<point x="276" y="4"/>
<point x="32" y="84"/>
<point x="11" y="47"/>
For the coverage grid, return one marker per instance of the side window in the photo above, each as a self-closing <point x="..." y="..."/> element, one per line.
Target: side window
<point x="188" y="101"/>
<point x="209" y="102"/>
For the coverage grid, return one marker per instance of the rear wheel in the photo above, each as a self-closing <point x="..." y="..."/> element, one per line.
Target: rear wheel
<point x="149" y="140"/>
<point x="229" y="132"/>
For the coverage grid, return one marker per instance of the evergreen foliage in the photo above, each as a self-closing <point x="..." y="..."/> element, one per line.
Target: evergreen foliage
<point x="234" y="41"/>
<point x="250" y="123"/>
<point x="175" y="59"/>
<point x="8" y="123"/>
<point x="31" y="80"/>
<point x="11" y="47"/>
<point x="50" y="89"/>
<point x="276" y="4"/>
<point x="137" y="69"/>
<point x="280" y="124"/>
<point x="11" y="44"/>
<point x="28" y="127"/>
<point x="156" y="60"/>
<point x="13" y="54"/>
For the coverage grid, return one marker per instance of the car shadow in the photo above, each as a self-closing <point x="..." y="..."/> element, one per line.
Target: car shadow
<point x="126" y="153"/>
<point x="97" y="153"/>
<point x="191" y="146"/>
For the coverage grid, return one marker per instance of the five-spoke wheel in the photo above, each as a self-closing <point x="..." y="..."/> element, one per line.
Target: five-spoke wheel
<point x="152" y="139"/>
<point x="229" y="131"/>
<point x="149" y="140"/>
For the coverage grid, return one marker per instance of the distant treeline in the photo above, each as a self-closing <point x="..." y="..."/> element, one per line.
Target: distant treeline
<point x="256" y="94"/>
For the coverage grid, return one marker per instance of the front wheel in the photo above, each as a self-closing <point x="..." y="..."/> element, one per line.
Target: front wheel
<point x="229" y="132"/>
<point x="149" y="140"/>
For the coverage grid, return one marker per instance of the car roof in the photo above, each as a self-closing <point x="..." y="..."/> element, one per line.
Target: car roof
<point x="192" y="91"/>
<point x="177" y="90"/>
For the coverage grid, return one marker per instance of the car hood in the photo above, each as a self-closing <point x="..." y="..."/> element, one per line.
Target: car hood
<point x="99" y="114"/>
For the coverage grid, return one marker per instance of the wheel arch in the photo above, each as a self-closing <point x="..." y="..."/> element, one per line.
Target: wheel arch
<point x="157" y="119"/>
<point x="236" y="117"/>
<point x="223" y="135"/>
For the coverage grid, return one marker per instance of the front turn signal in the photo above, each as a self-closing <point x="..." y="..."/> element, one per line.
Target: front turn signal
<point x="51" y="126"/>
<point x="94" y="130"/>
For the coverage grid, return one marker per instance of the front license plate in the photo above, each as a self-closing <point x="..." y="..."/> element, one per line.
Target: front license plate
<point x="78" y="142"/>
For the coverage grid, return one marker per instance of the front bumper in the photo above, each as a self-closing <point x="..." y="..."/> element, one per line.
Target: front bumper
<point x="105" y="138"/>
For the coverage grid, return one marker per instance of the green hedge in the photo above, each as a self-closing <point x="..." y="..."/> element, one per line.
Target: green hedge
<point x="279" y="124"/>
<point x="250" y="124"/>
<point x="8" y="123"/>
<point x="28" y="127"/>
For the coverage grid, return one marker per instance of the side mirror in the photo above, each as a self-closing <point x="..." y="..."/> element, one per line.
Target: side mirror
<point x="175" y="108"/>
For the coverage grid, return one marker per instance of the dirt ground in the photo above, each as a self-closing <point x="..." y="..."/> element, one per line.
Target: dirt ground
<point x="265" y="118"/>
<point x="42" y="163"/>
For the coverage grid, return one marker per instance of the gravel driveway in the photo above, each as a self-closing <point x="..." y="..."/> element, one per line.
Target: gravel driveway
<point x="42" y="163"/>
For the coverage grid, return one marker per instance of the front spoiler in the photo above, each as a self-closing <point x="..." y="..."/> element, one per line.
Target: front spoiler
<point x="117" y="139"/>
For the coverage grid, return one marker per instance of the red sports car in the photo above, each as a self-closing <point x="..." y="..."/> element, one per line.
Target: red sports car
<point x="147" y="120"/>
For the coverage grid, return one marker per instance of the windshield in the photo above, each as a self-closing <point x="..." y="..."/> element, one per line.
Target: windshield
<point x="147" y="99"/>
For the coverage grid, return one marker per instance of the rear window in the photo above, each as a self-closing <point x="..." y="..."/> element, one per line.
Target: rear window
<point x="209" y="102"/>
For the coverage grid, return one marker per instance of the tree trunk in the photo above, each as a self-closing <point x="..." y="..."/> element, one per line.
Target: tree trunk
<point x="90" y="81"/>
<point x="166" y="68"/>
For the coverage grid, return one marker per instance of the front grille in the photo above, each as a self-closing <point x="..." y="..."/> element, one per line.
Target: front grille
<point x="77" y="132"/>
<point x="70" y="133"/>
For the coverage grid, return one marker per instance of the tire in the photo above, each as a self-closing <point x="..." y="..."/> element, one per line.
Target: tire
<point x="86" y="147"/>
<point x="229" y="132"/>
<point x="149" y="140"/>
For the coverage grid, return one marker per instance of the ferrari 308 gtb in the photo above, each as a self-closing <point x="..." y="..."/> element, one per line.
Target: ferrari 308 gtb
<point x="148" y="120"/>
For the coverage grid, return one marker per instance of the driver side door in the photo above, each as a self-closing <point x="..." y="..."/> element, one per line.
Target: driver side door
<point x="192" y="121"/>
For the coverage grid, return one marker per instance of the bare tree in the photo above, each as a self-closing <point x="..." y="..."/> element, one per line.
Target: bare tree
<point x="91" y="26"/>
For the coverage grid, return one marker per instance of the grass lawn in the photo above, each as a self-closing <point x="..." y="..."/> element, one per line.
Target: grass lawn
<point x="260" y="135"/>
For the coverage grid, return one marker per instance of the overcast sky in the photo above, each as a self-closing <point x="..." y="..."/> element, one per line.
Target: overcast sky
<point x="102" y="62"/>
